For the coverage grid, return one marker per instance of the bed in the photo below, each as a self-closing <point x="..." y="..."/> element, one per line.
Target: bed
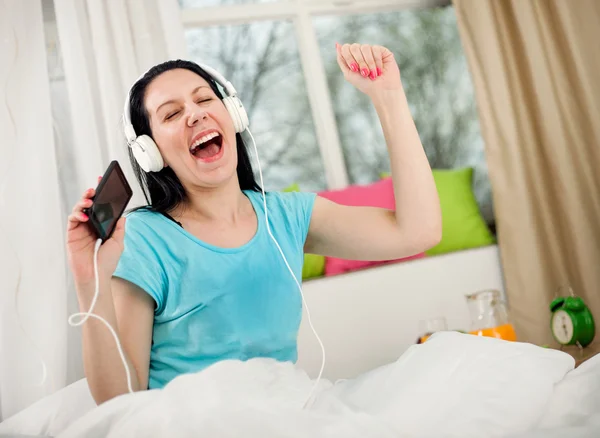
<point x="377" y="382"/>
<point x="453" y="385"/>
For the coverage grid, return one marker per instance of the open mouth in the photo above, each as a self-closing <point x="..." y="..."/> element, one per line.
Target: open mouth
<point x="208" y="146"/>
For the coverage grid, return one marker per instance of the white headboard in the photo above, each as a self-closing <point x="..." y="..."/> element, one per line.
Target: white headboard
<point x="369" y="318"/>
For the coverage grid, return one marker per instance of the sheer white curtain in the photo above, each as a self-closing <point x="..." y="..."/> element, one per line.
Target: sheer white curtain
<point x="105" y="46"/>
<point x="31" y="240"/>
<point x="66" y="130"/>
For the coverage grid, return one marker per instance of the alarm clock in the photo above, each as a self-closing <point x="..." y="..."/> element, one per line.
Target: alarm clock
<point x="572" y="322"/>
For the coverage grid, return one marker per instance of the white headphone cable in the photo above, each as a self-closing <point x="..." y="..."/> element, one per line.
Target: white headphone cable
<point x="262" y="185"/>
<point x="89" y="313"/>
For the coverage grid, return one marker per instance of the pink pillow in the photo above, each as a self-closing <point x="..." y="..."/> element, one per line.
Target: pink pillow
<point x="378" y="194"/>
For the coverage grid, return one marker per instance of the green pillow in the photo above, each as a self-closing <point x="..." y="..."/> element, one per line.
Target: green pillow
<point x="463" y="225"/>
<point x="314" y="264"/>
<point x="292" y="188"/>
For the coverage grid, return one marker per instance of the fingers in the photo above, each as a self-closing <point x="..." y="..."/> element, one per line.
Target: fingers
<point x="342" y="62"/>
<point x="83" y="204"/>
<point x="361" y="59"/>
<point x="355" y="50"/>
<point x="346" y="56"/>
<point x="367" y="54"/>
<point x="77" y="215"/>
<point x="378" y="55"/>
<point x="75" y="219"/>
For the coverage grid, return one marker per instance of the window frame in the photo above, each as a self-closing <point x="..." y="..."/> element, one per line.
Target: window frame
<point x="300" y="13"/>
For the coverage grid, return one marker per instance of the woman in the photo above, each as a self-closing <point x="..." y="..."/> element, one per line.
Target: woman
<point x="194" y="278"/>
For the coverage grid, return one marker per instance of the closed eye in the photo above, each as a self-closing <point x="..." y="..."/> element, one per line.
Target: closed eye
<point x="198" y="102"/>
<point x="171" y="115"/>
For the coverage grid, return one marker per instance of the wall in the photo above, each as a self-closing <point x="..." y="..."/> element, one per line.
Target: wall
<point x="368" y="318"/>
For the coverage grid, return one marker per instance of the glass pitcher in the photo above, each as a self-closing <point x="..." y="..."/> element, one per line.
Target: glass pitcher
<point x="489" y="315"/>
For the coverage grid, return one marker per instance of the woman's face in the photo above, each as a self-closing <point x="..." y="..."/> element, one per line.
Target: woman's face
<point x="192" y="129"/>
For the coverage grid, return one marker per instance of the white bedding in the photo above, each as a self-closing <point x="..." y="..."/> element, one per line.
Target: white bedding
<point x="454" y="385"/>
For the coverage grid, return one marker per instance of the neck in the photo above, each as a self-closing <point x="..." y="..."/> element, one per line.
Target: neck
<point x="225" y="204"/>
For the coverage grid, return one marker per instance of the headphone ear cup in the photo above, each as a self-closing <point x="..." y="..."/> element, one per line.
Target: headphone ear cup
<point x="147" y="154"/>
<point x="237" y="112"/>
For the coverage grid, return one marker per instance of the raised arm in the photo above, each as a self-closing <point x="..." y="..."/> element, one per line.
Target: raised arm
<point x="368" y="233"/>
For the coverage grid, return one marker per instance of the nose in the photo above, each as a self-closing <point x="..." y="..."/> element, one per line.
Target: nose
<point x="195" y="116"/>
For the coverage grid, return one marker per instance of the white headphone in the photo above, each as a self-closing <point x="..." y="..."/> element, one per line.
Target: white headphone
<point x="143" y="147"/>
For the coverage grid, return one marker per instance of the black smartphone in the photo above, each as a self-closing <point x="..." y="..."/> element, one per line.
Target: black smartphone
<point x="112" y="196"/>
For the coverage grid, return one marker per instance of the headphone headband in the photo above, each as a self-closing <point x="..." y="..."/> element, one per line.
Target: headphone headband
<point x="128" y="129"/>
<point x="218" y="77"/>
<point x="143" y="147"/>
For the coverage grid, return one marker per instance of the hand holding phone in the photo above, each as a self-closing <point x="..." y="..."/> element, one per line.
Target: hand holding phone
<point x="97" y="215"/>
<point x="112" y="196"/>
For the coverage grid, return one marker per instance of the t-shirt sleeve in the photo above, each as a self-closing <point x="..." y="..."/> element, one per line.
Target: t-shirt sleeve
<point x="139" y="262"/>
<point x="301" y="204"/>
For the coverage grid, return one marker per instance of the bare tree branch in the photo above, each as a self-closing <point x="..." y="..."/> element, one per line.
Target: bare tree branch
<point x="261" y="67"/>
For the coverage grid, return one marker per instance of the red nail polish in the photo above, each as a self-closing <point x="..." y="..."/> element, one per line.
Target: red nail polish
<point x="379" y="72"/>
<point x="84" y="216"/>
<point x="365" y="72"/>
<point x="354" y="67"/>
<point x="372" y="75"/>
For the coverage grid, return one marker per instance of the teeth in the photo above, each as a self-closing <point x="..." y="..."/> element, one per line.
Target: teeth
<point x="204" y="140"/>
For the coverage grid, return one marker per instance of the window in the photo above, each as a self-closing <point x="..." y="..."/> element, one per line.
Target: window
<point x="434" y="71"/>
<point x="435" y="76"/>
<point x="207" y="3"/>
<point x="261" y="61"/>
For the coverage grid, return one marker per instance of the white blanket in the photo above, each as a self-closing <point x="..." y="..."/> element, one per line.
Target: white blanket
<point x="454" y="385"/>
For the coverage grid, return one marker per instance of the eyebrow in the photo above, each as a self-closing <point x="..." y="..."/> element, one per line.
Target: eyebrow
<point x="174" y="101"/>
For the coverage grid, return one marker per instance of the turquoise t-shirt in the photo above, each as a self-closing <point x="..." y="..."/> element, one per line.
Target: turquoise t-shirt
<point x="217" y="303"/>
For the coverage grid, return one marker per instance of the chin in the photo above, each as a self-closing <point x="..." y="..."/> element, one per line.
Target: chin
<point x="217" y="174"/>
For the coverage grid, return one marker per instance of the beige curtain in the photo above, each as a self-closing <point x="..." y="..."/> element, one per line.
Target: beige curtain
<point x="536" y="70"/>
